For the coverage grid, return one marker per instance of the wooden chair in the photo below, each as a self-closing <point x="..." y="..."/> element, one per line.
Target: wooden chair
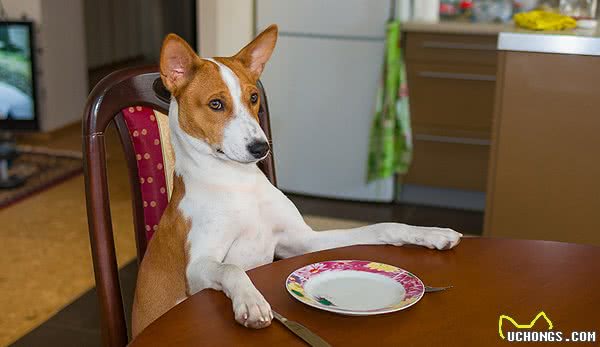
<point x="129" y="98"/>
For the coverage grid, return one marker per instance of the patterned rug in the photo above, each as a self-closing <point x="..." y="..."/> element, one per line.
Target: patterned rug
<point x="42" y="168"/>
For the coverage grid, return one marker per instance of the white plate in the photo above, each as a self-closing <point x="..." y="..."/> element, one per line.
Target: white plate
<point x="355" y="287"/>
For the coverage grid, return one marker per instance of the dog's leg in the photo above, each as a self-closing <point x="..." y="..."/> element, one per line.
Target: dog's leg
<point x="300" y="240"/>
<point x="249" y="306"/>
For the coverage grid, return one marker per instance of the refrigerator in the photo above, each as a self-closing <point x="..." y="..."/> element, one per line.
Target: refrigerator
<point x="321" y="84"/>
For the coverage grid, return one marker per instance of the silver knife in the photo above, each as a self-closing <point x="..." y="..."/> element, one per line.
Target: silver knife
<point x="301" y="331"/>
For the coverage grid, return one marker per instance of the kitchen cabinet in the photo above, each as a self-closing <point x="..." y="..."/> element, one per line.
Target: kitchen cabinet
<point x="441" y="163"/>
<point x="451" y="99"/>
<point x="451" y="81"/>
<point x="462" y="49"/>
<point x="543" y="181"/>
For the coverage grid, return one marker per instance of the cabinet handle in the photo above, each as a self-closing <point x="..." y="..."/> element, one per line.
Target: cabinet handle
<point x="459" y="45"/>
<point x="449" y="139"/>
<point x="457" y="76"/>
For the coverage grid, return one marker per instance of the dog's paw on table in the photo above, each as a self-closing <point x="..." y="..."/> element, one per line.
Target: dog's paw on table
<point x="252" y="310"/>
<point x="430" y="237"/>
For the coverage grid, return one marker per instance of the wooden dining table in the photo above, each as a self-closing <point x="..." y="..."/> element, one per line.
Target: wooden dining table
<point x="490" y="278"/>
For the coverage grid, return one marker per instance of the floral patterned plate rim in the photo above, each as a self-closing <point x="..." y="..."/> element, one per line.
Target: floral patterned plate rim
<point x="355" y="287"/>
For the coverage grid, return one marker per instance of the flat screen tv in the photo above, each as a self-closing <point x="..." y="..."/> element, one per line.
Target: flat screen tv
<point x="18" y="102"/>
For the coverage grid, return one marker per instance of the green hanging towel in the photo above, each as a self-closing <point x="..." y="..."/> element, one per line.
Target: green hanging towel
<point x="390" y="149"/>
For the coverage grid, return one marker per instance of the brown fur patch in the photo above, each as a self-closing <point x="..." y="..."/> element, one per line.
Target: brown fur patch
<point x="177" y="63"/>
<point x="161" y="278"/>
<point x="196" y="118"/>
<point x="255" y="55"/>
<point x="195" y="82"/>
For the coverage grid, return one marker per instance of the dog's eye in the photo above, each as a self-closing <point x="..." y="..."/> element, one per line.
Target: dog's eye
<point x="254" y="98"/>
<point x="216" y="104"/>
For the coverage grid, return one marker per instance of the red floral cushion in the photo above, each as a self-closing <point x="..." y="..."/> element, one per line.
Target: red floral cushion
<point x="145" y="136"/>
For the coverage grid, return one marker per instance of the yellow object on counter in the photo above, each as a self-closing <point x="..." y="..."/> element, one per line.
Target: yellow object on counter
<point x="543" y="20"/>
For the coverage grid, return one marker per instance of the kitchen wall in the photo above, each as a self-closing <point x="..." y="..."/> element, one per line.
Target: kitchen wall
<point x="224" y="26"/>
<point x="16" y="9"/>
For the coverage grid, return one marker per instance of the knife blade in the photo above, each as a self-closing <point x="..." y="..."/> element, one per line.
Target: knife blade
<point x="301" y="331"/>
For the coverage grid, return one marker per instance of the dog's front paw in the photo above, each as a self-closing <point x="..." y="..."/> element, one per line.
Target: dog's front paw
<point x="251" y="309"/>
<point x="435" y="238"/>
<point x="430" y="237"/>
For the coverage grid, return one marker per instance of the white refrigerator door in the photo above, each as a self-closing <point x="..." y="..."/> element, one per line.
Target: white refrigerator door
<point x="321" y="94"/>
<point x="348" y="18"/>
<point x="321" y="83"/>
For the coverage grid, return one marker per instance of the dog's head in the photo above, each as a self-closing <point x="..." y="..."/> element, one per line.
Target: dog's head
<point x="217" y="98"/>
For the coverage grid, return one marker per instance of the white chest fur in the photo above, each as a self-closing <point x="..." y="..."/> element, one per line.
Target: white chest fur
<point x="230" y="225"/>
<point x="228" y="204"/>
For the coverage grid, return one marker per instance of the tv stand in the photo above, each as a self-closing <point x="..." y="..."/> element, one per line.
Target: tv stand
<point x="8" y="152"/>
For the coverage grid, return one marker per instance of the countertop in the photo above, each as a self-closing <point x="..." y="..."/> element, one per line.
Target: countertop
<point x="512" y="38"/>
<point x="450" y="27"/>
<point x="576" y="41"/>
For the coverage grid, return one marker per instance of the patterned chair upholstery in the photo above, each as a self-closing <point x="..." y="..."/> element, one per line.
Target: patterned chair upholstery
<point x="149" y="133"/>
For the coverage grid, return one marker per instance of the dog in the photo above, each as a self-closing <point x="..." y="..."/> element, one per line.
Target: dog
<point x="224" y="216"/>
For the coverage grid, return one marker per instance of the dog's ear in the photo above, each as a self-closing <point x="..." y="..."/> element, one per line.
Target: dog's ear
<point x="256" y="54"/>
<point x="177" y="62"/>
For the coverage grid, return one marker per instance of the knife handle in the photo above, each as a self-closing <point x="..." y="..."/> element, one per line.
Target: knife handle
<point x="301" y="331"/>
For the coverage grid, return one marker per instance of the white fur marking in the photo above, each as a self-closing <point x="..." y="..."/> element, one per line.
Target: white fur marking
<point x="233" y="84"/>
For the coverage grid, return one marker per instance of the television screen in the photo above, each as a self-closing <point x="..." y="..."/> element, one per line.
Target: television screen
<point x="17" y="87"/>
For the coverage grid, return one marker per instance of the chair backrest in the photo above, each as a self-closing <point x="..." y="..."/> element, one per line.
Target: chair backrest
<point x="134" y="99"/>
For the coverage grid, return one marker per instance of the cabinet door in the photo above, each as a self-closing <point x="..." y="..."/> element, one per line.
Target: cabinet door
<point x="544" y="177"/>
<point x="352" y="18"/>
<point x="452" y="48"/>
<point x="322" y="98"/>
<point x="439" y="162"/>
<point x="451" y="98"/>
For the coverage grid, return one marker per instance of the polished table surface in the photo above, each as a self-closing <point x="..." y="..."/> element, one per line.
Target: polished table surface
<point x="491" y="277"/>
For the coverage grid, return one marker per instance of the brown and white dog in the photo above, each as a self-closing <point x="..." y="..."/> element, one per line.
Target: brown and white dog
<point x="224" y="216"/>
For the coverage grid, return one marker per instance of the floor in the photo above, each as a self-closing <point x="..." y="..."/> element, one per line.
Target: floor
<point x="466" y="222"/>
<point x="45" y="240"/>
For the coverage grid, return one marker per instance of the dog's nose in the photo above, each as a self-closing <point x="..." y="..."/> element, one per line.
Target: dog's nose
<point x="258" y="149"/>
